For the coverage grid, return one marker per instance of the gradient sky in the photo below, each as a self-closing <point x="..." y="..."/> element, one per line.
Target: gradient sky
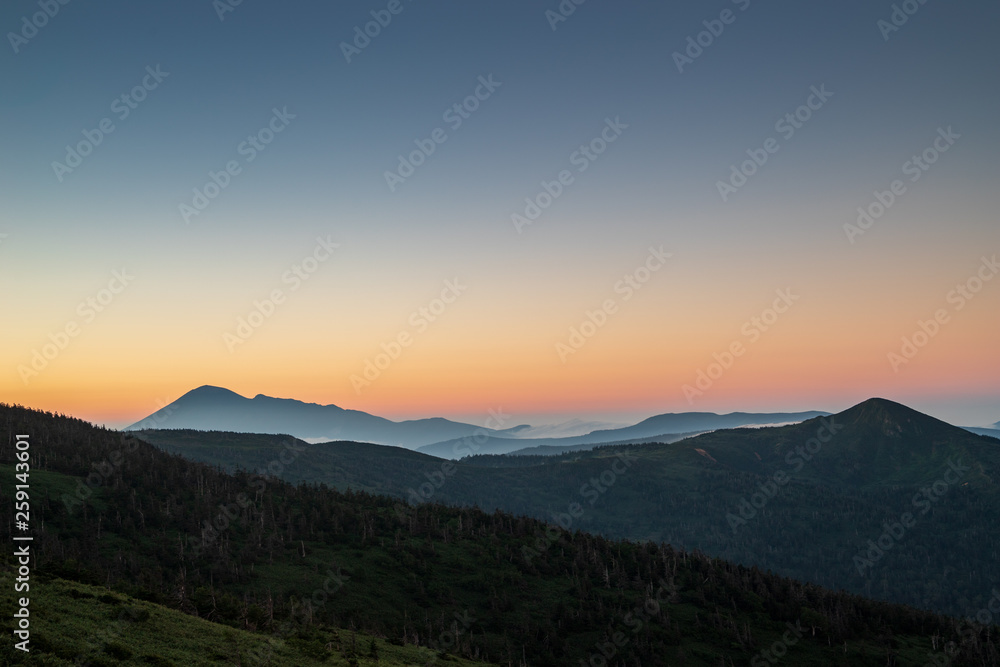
<point x="496" y="344"/>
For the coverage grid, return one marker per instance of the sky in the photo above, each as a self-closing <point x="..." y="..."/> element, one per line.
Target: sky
<point x="605" y="210"/>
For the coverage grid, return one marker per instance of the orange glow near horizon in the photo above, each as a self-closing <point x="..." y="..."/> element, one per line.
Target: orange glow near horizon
<point x="775" y="374"/>
<point x="497" y="344"/>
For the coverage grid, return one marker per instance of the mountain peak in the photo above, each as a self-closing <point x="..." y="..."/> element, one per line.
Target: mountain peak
<point x="890" y="418"/>
<point x="211" y="408"/>
<point x="208" y="391"/>
<point x="883" y="404"/>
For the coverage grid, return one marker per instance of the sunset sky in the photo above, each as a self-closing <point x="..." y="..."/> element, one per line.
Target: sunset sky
<point x="640" y="235"/>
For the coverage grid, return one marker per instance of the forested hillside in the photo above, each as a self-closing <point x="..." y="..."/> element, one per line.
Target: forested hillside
<point x="803" y="500"/>
<point x="297" y="562"/>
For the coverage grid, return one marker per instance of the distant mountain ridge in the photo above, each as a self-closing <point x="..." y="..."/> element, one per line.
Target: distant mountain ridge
<point x="209" y="408"/>
<point x="877" y="442"/>
<point x="669" y="424"/>
<point x="991" y="432"/>
<point x="557" y="450"/>
<point x="568" y="429"/>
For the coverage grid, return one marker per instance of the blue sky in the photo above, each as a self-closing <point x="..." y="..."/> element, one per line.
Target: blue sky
<point x="656" y="184"/>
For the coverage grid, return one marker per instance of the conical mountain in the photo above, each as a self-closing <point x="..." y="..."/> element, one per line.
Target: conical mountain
<point x="877" y="442"/>
<point x="209" y="408"/>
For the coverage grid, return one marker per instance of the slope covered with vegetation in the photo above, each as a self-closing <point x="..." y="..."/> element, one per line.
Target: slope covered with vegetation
<point x="300" y="563"/>
<point x="80" y="624"/>
<point x="801" y="500"/>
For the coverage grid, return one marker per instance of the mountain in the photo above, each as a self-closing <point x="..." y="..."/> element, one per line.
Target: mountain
<point x="126" y="535"/>
<point x="210" y="408"/>
<point x="801" y="500"/>
<point x="652" y="428"/>
<point x="461" y="447"/>
<point x="566" y="429"/>
<point x="556" y="450"/>
<point x="687" y="422"/>
<point x="992" y="432"/>
<point x="877" y="443"/>
<point x="343" y="465"/>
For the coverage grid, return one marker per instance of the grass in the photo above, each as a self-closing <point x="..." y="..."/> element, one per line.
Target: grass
<point x="74" y="623"/>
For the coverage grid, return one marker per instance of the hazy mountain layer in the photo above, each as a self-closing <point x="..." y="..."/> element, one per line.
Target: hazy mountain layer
<point x="659" y="426"/>
<point x="803" y="500"/>
<point x="216" y="409"/>
<point x="210" y="408"/>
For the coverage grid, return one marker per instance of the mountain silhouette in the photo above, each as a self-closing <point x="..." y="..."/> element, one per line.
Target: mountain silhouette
<point x="876" y="442"/>
<point x="209" y="408"/>
<point x="659" y="426"/>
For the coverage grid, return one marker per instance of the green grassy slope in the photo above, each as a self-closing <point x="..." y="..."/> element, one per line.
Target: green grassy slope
<point x="75" y="623"/>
